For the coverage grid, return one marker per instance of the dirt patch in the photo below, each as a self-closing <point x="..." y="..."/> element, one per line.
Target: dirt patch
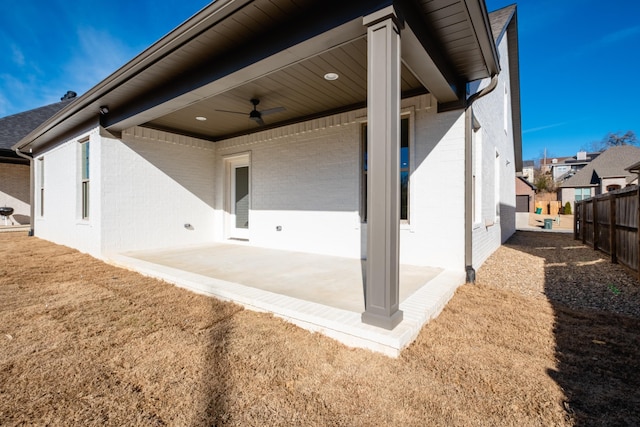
<point x="84" y="343"/>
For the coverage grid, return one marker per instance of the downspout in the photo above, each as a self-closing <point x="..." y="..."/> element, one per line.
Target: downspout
<point x="31" y="183"/>
<point x="468" y="179"/>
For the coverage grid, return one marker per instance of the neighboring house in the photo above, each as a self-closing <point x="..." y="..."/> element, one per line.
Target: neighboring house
<point x="384" y="131"/>
<point x="14" y="170"/>
<point x="569" y="166"/>
<point x="528" y="170"/>
<point x="525" y="195"/>
<point x="607" y="172"/>
<point x="547" y="163"/>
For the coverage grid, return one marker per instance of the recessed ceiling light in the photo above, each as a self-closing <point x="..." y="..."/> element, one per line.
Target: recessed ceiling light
<point x="202" y="119"/>
<point x="331" y="76"/>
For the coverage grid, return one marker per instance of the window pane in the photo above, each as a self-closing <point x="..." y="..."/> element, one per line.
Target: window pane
<point x="404" y="158"/>
<point x="85" y="160"/>
<point x="404" y="133"/>
<point x="85" y="199"/>
<point x="404" y="195"/>
<point x="242" y="197"/>
<point x="404" y="170"/>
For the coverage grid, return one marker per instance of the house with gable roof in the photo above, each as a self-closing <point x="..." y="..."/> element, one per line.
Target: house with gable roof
<point x="383" y="132"/>
<point x="14" y="169"/>
<point x="606" y="172"/>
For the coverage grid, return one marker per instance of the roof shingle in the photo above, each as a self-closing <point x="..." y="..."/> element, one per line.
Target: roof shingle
<point x="15" y="127"/>
<point x="609" y="164"/>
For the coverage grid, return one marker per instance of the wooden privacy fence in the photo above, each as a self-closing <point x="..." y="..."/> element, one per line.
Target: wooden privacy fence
<point x="609" y="223"/>
<point x="547" y="207"/>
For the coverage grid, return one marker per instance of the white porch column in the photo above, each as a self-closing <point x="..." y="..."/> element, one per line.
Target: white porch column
<point x="383" y="174"/>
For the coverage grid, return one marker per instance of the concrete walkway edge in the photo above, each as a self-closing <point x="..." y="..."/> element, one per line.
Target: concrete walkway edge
<point x="342" y="325"/>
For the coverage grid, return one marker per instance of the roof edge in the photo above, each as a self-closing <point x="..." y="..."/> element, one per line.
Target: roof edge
<point x="182" y="34"/>
<point x="479" y="16"/>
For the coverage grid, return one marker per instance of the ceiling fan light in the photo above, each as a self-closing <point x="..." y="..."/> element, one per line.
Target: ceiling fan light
<point x="331" y="76"/>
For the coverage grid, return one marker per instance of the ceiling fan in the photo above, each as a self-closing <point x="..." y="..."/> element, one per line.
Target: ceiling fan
<point x="256" y="115"/>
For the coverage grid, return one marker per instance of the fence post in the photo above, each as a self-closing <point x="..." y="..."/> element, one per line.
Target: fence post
<point x="596" y="228"/>
<point x="612" y="228"/>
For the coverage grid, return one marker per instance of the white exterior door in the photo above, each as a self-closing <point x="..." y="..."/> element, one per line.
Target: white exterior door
<point x="238" y="196"/>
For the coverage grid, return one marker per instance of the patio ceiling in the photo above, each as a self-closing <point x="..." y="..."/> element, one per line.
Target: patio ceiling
<point x="278" y="51"/>
<point x="300" y="88"/>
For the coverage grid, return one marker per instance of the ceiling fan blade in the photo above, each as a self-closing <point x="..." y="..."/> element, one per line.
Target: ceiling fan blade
<point x="272" y="110"/>
<point x="233" y="112"/>
<point x="258" y="120"/>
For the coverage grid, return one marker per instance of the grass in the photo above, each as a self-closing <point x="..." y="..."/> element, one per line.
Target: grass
<point x="85" y="343"/>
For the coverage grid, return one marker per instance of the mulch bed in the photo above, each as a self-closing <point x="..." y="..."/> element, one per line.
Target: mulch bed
<point x="550" y="335"/>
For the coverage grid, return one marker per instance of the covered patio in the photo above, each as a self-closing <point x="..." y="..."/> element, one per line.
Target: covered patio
<point x="183" y="122"/>
<point x="316" y="292"/>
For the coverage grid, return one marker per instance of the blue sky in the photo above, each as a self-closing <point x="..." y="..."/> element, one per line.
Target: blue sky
<point x="579" y="59"/>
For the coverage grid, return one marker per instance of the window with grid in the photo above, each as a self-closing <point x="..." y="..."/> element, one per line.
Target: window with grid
<point x="582" y="193"/>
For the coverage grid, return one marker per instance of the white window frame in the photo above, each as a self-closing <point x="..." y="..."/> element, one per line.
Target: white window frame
<point x="410" y="116"/>
<point x="41" y="187"/>
<point x="496" y="186"/>
<point x="84" y="156"/>
<point x="231" y="163"/>
<point x="477" y="173"/>
<point x="505" y="111"/>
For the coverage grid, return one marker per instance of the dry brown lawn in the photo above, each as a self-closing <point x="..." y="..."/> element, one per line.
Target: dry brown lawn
<point x="83" y="343"/>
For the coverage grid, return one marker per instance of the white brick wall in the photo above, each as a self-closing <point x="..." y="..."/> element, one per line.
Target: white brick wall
<point x="489" y="111"/>
<point x="62" y="222"/>
<point x="435" y="233"/>
<point x="307" y="182"/>
<point x="153" y="184"/>
<point x="157" y="183"/>
<point x="306" y="179"/>
<point x="14" y="191"/>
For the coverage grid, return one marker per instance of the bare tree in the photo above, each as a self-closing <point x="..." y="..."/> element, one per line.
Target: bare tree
<point x="615" y="140"/>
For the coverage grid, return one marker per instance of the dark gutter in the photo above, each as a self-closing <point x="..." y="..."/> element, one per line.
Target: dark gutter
<point x="468" y="179"/>
<point x="32" y="180"/>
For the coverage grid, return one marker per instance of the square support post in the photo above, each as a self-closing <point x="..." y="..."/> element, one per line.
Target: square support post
<point x="383" y="175"/>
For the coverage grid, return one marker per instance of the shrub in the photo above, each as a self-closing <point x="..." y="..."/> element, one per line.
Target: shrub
<point x="567" y="208"/>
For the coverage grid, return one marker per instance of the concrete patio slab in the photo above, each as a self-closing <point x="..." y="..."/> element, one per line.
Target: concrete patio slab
<point x="13" y="228"/>
<point x="317" y="292"/>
